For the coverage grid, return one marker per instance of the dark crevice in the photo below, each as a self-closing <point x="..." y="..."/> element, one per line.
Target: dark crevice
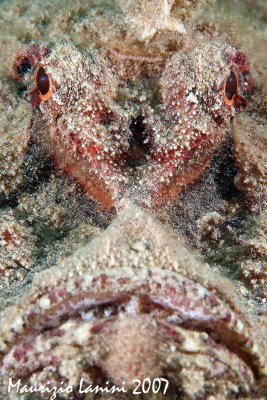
<point x="138" y="147"/>
<point x="21" y="89"/>
<point x="9" y="202"/>
<point x="225" y="172"/>
<point x="37" y="168"/>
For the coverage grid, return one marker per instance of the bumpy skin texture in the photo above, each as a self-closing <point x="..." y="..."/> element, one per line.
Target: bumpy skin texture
<point x="15" y="121"/>
<point x="112" y="140"/>
<point x="250" y="139"/>
<point x="83" y="119"/>
<point x="196" y="115"/>
<point x="134" y="304"/>
<point x="16" y="247"/>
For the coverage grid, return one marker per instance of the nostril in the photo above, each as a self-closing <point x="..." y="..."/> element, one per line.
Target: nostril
<point x="138" y="144"/>
<point x="23" y="68"/>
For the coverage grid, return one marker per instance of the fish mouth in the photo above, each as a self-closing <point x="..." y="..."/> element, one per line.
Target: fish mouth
<point x="176" y="305"/>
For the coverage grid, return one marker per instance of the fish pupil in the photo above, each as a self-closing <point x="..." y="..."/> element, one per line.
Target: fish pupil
<point x="42" y="81"/>
<point x="231" y="86"/>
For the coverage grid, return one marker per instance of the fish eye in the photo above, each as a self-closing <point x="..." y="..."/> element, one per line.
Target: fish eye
<point x="230" y="88"/>
<point x="43" y="83"/>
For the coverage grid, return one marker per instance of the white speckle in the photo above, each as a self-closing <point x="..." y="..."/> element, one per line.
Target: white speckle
<point x="240" y="326"/>
<point x="44" y="303"/>
<point x="192" y="98"/>
<point x="18" y="324"/>
<point x="87" y="316"/>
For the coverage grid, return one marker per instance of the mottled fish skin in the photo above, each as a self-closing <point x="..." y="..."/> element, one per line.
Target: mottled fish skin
<point x="134" y="287"/>
<point x="196" y="113"/>
<point x="151" y="136"/>
<point x="87" y="131"/>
